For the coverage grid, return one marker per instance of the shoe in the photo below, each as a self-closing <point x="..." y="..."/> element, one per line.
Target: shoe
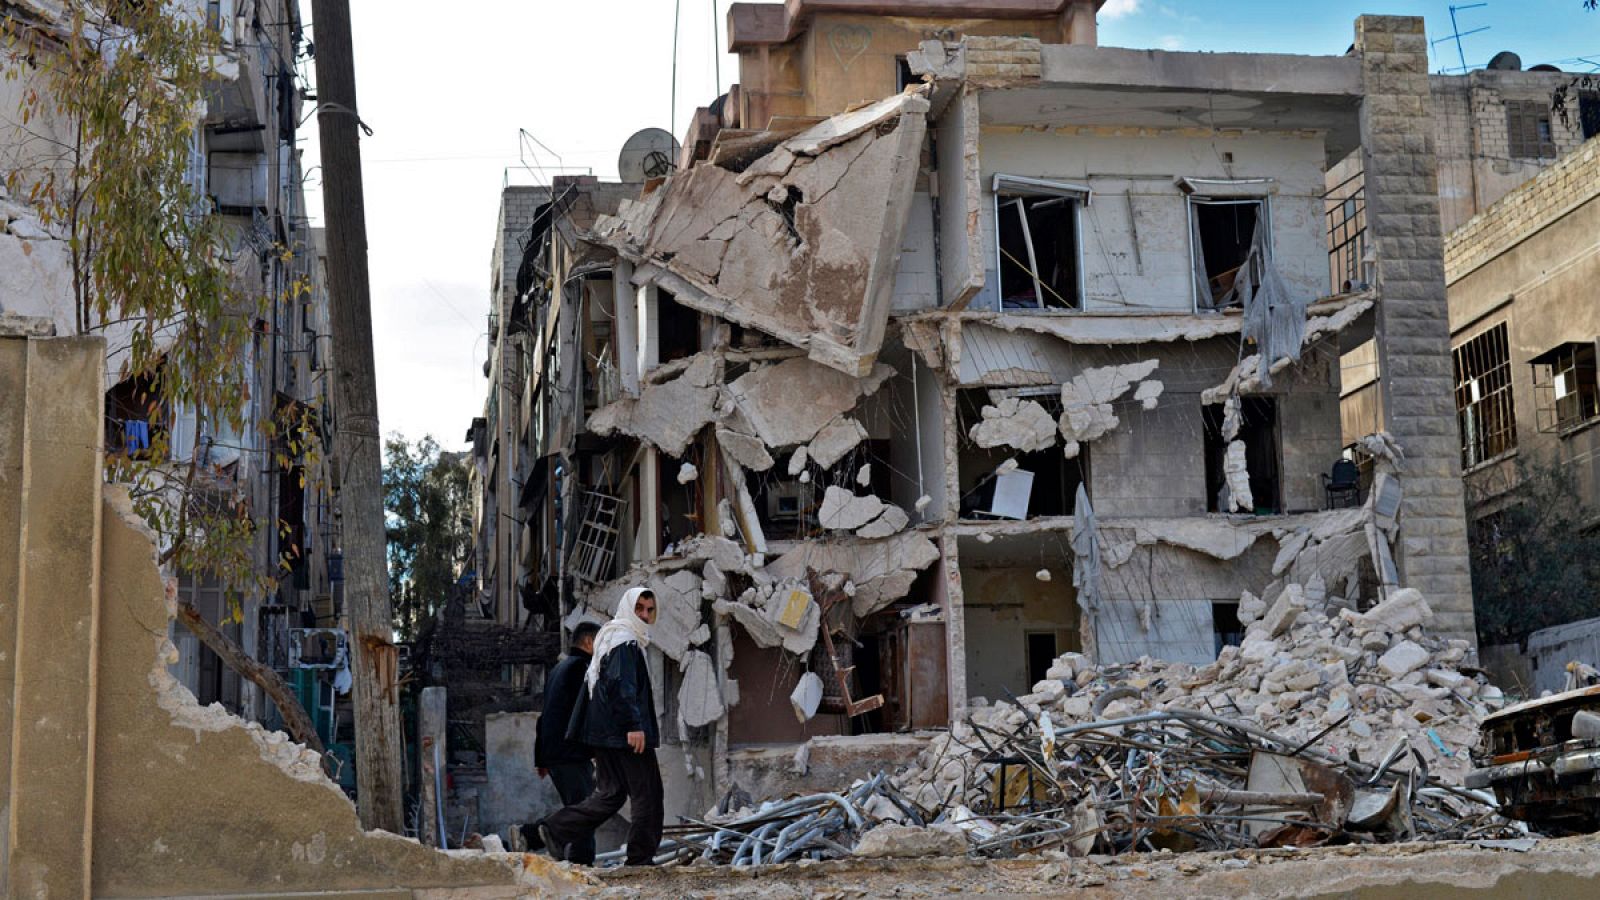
<point x="548" y="839"/>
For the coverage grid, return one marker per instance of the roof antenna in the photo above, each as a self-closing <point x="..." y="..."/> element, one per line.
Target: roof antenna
<point x="672" y="117"/>
<point x="716" y="50"/>
<point x="1456" y="34"/>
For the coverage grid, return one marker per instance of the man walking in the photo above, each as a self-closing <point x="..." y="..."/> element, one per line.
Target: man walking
<point x="616" y="716"/>
<point x="566" y="763"/>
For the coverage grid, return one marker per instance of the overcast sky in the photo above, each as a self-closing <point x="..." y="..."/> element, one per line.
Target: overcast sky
<point x="450" y="89"/>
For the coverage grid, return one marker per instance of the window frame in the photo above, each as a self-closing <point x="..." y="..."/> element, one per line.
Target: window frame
<point x="1007" y="188"/>
<point x="1547" y="412"/>
<point x="1264" y="199"/>
<point x="1503" y="397"/>
<point x="1523" y="118"/>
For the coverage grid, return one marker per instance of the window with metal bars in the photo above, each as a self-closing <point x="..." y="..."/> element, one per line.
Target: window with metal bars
<point x="1528" y="133"/>
<point x="1484" y="408"/>
<point x="1565" y="390"/>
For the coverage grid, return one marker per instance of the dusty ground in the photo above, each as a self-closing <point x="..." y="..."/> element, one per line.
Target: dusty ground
<point x="1554" y="868"/>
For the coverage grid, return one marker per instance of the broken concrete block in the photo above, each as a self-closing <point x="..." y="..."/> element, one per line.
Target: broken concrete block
<point x="890" y="841"/>
<point x="666" y="415"/>
<point x="1251" y="607"/>
<point x="844" y="511"/>
<point x="699" y="701"/>
<point x="1042" y="575"/>
<point x="806" y="697"/>
<point x="1284" y="612"/>
<point x="1404" y="608"/>
<point x="1015" y="422"/>
<point x="1237" y="473"/>
<point x="687" y="473"/>
<point x="835" y="440"/>
<point x="746" y="450"/>
<point x="890" y="521"/>
<point x="797" y="461"/>
<point x="864" y="475"/>
<point x="1086" y="411"/>
<point x="792" y="401"/>
<point x="922" y="503"/>
<point x="1149" y="393"/>
<point x="1402" y="659"/>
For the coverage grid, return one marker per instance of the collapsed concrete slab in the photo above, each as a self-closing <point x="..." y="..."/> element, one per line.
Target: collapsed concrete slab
<point x="666" y="415"/>
<point x="792" y="401"/>
<point x="1015" y="422"/>
<point x="803" y="244"/>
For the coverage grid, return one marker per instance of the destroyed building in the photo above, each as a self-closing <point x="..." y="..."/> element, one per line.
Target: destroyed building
<point x="957" y="343"/>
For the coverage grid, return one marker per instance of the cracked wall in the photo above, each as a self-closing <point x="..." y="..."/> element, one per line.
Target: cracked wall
<point x="119" y="784"/>
<point x="804" y="244"/>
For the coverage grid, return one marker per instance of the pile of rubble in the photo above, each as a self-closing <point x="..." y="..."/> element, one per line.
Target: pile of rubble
<point x="1324" y="722"/>
<point x="1324" y="725"/>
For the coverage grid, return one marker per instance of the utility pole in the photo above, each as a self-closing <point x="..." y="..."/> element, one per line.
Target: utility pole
<point x="357" y="443"/>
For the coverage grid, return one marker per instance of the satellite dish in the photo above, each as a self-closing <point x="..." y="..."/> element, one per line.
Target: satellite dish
<point x="650" y="153"/>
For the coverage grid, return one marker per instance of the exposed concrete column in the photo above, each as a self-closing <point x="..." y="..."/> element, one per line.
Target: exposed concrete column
<point x="649" y="336"/>
<point x="626" y="339"/>
<point x="1413" y="331"/>
<point x="433" y="754"/>
<point x="1078" y="24"/>
<point x="649" y="504"/>
<point x="50" y="444"/>
<point x="955" y="627"/>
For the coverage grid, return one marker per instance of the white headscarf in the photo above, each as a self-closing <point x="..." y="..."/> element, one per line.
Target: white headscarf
<point x="625" y="627"/>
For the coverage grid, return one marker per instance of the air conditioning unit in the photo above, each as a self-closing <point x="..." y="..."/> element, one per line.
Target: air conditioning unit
<point x="787" y="501"/>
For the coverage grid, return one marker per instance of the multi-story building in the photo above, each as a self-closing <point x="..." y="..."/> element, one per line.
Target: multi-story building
<point x="1035" y="351"/>
<point x="246" y="161"/>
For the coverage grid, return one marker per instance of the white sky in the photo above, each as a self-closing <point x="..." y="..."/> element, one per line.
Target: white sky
<point x="445" y="93"/>
<point x="446" y="87"/>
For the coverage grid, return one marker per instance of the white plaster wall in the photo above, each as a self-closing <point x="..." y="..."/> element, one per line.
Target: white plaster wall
<point x="1144" y="169"/>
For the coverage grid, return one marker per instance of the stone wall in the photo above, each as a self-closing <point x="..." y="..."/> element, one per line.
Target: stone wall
<point x="1553" y="193"/>
<point x="1413" y="332"/>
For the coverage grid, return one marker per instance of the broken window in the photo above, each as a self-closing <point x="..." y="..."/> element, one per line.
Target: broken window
<point x="903" y="75"/>
<point x="1528" y="134"/>
<point x="787" y="507"/>
<point x="1223" y="234"/>
<point x="1566" y="393"/>
<point x="1037" y="241"/>
<point x="1042" y="483"/>
<point x="677" y="329"/>
<point x="1589" y="113"/>
<point x="1484" y="407"/>
<point x="1258" y="431"/>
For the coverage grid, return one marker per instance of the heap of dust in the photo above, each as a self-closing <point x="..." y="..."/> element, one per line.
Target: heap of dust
<point x="1324" y="725"/>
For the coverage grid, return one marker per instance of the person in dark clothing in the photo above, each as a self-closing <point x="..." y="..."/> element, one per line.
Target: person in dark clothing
<point x="566" y="763"/>
<point x="616" y="716"/>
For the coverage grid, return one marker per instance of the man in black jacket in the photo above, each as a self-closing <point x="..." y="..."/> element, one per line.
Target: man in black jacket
<point x="616" y="716"/>
<point x="566" y="763"/>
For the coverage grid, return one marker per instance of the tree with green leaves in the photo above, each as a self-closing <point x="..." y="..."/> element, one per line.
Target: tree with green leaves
<point x="427" y="503"/>
<point x="1535" y="555"/>
<point x="107" y="123"/>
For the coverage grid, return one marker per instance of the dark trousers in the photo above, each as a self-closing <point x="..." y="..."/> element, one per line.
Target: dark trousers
<point x="624" y="776"/>
<point x="575" y="782"/>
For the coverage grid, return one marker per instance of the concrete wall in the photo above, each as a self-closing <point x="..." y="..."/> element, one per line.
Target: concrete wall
<point x="117" y="782"/>
<point x="1531" y="262"/>
<point x="1476" y="163"/>
<point x="1159" y="276"/>
<point x="1002" y="605"/>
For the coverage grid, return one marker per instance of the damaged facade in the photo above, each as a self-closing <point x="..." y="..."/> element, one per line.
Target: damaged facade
<point x="245" y="160"/>
<point x="957" y="351"/>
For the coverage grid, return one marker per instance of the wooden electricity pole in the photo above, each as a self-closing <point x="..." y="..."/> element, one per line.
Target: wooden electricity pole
<point x="357" y="443"/>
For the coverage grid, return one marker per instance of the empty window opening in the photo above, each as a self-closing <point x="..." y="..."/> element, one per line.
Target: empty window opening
<point x="1226" y="630"/>
<point x="1223" y="234"/>
<point x="1041" y="650"/>
<point x="903" y="75"/>
<point x="678" y="328"/>
<point x="1038" y="245"/>
<point x="1044" y="483"/>
<point x="1589" y="113"/>
<point x="1258" y="429"/>
<point x="1484" y="409"/>
<point x="680" y="503"/>
<point x="1528" y="133"/>
<point x="1566" y="393"/>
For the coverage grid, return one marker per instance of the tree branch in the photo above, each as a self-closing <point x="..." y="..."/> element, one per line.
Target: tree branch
<point x="294" y="715"/>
